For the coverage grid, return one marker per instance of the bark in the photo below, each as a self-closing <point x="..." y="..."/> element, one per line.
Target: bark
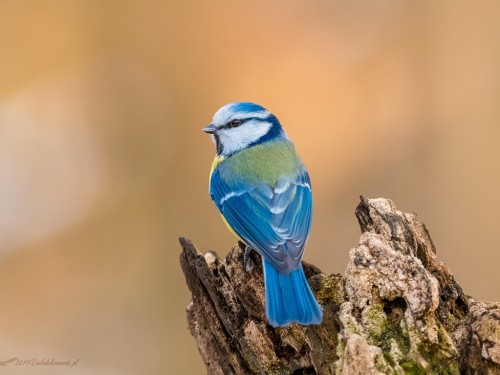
<point x="396" y="310"/>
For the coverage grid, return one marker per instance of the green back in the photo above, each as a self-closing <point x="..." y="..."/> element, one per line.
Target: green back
<point x="266" y="163"/>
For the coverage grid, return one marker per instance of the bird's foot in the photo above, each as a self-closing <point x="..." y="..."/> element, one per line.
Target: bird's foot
<point x="246" y="259"/>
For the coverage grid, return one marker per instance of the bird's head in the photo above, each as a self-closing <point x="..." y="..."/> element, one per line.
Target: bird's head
<point x="239" y="125"/>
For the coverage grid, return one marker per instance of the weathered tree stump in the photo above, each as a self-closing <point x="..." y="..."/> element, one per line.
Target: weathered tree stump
<point x="396" y="310"/>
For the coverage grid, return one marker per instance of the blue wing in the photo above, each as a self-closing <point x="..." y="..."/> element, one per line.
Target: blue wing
<point x="274" y="220"/>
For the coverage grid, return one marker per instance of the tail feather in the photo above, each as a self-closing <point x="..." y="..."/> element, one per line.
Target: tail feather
<point x="289" y="298"/>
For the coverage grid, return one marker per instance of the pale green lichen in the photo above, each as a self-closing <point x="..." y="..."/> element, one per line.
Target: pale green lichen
<point x="340" y="350"/>
<point x="395" y="342"/>
<point x="374" y="321"/>
<point x="349" y="324"/>
<point x="404" y="348"/>
<point x="382" y="365"/>
<point x="438" y="361"/>
<point x="388" y="333"/>
<point x="412" y="368"/>
<point x="439" y="358"/>
<point x="331" y="290"/>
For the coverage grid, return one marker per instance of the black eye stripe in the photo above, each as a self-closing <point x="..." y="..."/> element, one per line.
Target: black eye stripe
<point x="233" y="124"/>
<point x="239" y="122"/>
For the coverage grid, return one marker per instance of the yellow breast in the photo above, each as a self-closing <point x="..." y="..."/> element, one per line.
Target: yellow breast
<point x="217" y="160"/>
<point x="230" y="228"/>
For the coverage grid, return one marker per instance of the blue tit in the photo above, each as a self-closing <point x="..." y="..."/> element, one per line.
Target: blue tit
<point x="262" y="189"/>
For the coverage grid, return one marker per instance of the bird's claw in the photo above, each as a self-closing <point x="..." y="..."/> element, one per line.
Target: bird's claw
<point x="246" y="259"/>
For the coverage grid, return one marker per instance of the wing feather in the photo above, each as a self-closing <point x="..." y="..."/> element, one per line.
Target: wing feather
<point x="274" y="220"/>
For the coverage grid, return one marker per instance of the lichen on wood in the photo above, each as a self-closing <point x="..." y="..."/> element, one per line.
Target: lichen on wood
<point x="396" y="310"/>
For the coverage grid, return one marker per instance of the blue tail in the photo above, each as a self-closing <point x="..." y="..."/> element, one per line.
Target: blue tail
<point x="289" y="298"/>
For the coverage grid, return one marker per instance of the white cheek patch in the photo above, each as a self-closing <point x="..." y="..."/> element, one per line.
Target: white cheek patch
<point x="235" y="139"/>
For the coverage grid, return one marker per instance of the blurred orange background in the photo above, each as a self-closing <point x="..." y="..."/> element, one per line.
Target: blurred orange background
<point x="103" y="164"/>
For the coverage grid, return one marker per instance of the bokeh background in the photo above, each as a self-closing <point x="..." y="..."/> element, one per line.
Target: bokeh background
<point x="103" y="164"/>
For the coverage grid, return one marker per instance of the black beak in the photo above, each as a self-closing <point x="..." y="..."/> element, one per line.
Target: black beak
<point x="210" y="129"/>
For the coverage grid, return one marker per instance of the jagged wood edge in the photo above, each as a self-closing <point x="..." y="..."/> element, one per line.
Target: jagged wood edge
<point x="226" y="315"/>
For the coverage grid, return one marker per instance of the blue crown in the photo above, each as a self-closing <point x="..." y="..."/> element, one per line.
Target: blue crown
<point x="247" y="107"/>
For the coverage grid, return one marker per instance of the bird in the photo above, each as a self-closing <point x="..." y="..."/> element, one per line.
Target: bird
<point x="262" y="190"/>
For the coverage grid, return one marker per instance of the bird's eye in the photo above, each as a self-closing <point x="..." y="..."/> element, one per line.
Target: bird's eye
<point x="234" y="123"/>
